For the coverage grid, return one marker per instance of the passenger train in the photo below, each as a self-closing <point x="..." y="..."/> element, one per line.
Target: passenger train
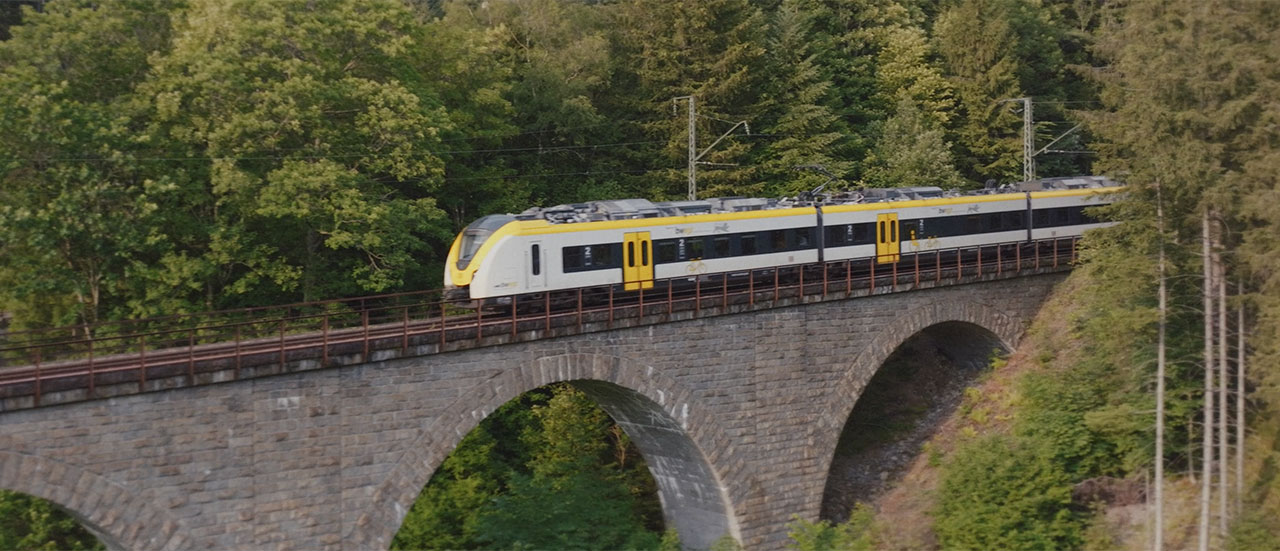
<point x="632" y="243"/>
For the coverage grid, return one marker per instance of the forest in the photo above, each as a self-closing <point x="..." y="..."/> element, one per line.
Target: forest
<point x="176" y="156"/>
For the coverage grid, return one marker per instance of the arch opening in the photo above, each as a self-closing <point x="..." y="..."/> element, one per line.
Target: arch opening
<point x="30" y="522"/>
<point x="582" y="453"/>
<point x="917" y="387"/>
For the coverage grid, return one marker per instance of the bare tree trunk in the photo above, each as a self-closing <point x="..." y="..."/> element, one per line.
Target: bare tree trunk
<point x="1240" y="399"/>
<point x="1160" y="361"/>
<point x="1224" y="446"/>
<point x="1206" y="443"/>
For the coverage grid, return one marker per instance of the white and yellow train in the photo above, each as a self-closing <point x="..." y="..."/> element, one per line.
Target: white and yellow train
<point x="632" y="243"/>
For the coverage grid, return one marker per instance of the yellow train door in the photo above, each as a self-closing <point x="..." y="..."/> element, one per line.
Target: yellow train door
<point x="887" y="237"/>
<point x="637" y="261"/>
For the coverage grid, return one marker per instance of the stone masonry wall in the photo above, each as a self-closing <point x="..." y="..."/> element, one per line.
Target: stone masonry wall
<point x="738" y="415"/>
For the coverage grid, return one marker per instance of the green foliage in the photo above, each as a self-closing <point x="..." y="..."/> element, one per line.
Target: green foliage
<point x="28" y="523"/>
<point x="998" y="493"/>
<point x="546" y="471"/>
<point x="911" y="151"/>
<point x="859" y="533"/>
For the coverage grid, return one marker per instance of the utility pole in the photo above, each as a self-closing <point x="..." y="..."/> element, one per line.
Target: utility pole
<point x="694" y="156"/>
<point x="1028" y="139"/>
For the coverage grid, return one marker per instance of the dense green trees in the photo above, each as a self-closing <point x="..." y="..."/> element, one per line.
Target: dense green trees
<point x="30" y="523"/>
<point x="546" y="471"/>
<point x="167" y="156"/>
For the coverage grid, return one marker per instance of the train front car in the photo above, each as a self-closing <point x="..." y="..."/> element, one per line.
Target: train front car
<point x="473" y="249"/>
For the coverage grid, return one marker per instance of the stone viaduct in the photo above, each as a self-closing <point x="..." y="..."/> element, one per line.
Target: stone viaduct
<point x="737" y="413"/>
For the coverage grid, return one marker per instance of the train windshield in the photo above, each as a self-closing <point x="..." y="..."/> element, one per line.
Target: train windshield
<point x="474" y="236"/>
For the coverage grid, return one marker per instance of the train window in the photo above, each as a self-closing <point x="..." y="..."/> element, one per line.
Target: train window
<point x="694" y="248"/>
<point x="882" y="233"/>
<point x="748" y="244"/>
<point x="644" y="253"/>
<point x="1013" y="220"/>
<point x="720" y="247"/>
<point x="603" y="255"/>
<point x="803" y="237"/>
<point x="861" y="233"/>
<point x="572" y="258"/>
<point x="893" y="231"/>
<point x="834" y="235"/>
<point x="778" y="238"/>
<point x="536" y="256"/>
<point x="973" y="224"/>
<point x="1060" y="216"/>
<point x="1040" y="218"/>
<point x="631" y="254"/>
<point x="666" y="251"/>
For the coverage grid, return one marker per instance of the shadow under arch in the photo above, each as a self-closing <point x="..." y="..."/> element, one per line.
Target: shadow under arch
<point x="971" y="329"/>
<point x="680" y="442"/>
<point x="119" y="518"/>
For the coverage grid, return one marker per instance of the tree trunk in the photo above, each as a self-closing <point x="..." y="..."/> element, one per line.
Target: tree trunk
<point x="1158" y="544"/>
<point x="1224" y="446"/>
<point x="1206" y="442"/>
<point x="1240" y="399"/>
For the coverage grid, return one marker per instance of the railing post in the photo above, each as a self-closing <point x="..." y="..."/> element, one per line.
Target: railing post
<point x="824" y="280"/>
<point x="404" y="345"/>
<point x="848" y="277"/>
<point x="282" y="345"/>
<point x="579" y="309"/>
<point x="1055" y="253"/>
<point x="959" y="263"/>
<point x="191" y="357"/>
<point x="801" y="268"/>
<point x="894" y="286"/>
<point x="546" y="311"/>
<point x="1017" y="258"/>
<point x="917" y="258"/>
<point x="776" y="271"/>
<point x="142" y="367"/>
<point x="1037" y="253"/>
<point x="39" y="379"/>
<point x="641" y="301"/>
<point x="979" y="260"/>
<point x="724" y="291"/>
<point x="324" y="341"/>
<point x="610" y="325"/>
<point x="670" y="301"/>
<point x="999" y="259"/>
<point x="443" y="321"/>
<point x="875" y="260"/>
<point x="751" y="288"/>
<point x="514" y="300"/>
<point x="365" y="320"/>
<point x="479" y="320"/>
<point x="92" y="375"/>
<point x="937" y="266"/>
<point x="697" y="296"/>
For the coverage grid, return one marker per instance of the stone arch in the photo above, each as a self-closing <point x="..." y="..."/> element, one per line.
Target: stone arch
<point x="685" y="450"/>
<point x="1005" y="328"/>
<point x="118" y="517"/>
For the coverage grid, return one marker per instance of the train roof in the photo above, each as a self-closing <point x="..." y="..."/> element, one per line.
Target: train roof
<point x="630" y="209"/>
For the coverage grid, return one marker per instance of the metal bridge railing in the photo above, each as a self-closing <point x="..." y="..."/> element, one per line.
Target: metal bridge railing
<point x="190" y="348"/>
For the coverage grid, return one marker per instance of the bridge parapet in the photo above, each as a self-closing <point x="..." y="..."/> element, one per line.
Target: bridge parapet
<point x="738" y="405"/>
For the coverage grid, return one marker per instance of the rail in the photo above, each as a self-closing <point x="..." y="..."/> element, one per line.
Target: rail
<point x="238" y="343"/>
